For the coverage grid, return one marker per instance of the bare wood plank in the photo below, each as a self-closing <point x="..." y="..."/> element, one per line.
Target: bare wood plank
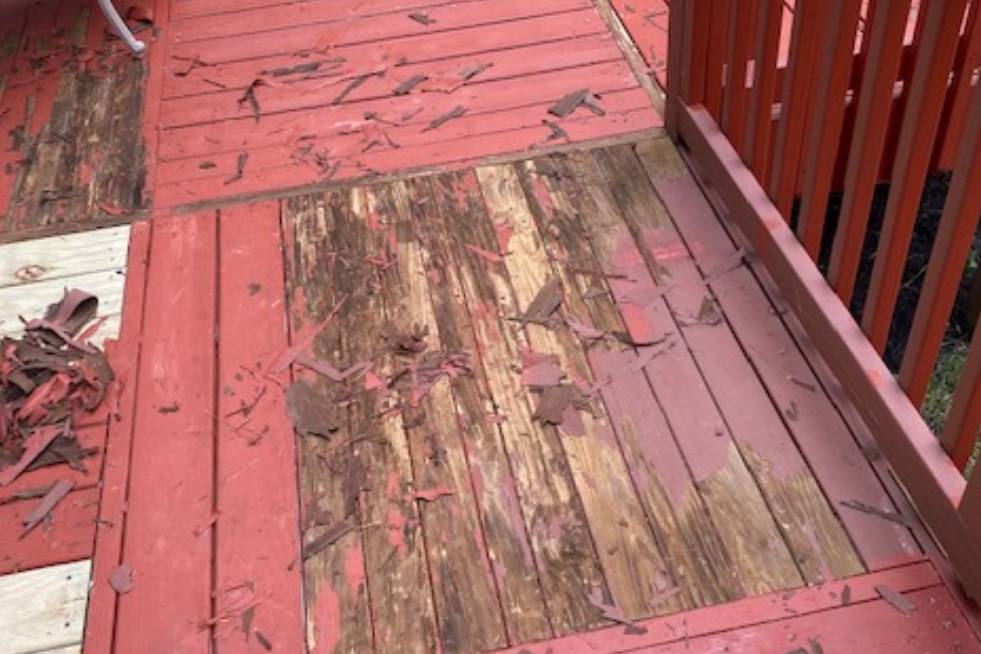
<point x="816" y="540"/>
<point x="569" y="207"/>
<point x="631" y="562"/>
<point x="173" y="444"/>
<point x="256" y="535"/>
<point x="31" y="300"/>
<point x="501" y="518"/>
<point x="561" y="546"/>
<point x="924" y="105"/>
<point x="335" y="589"/>
<point x="44" y="609"/>
<point x="464" y="587"/>
<point x="63" y="256"/>
<point x="875" y="103"/>
<point x="839" y="465"/>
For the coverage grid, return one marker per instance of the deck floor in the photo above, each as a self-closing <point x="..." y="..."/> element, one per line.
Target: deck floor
<point x="431" y="370"/>
<point x="702" y="462"/>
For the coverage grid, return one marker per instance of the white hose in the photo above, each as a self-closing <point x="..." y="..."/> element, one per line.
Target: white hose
<point x="138" y="47"/>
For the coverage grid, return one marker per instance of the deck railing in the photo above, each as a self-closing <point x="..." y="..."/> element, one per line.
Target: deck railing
<point x="870" y="90"/>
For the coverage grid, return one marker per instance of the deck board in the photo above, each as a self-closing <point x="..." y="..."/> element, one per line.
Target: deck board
<point x="44" y="610"/>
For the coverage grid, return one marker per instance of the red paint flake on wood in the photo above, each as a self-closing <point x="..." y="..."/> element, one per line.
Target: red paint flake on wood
<point x="173" y="452"/>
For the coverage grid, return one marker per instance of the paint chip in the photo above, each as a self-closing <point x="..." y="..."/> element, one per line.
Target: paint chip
<point x="121" y="579"/>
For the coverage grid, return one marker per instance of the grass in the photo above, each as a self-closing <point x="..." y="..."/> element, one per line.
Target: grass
<point x="940" y="394"/>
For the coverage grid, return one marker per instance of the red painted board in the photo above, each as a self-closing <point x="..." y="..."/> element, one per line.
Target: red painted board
<point x="683" y="628"/>
<point x="68" y="538"/>
<point x="167" y="542"/>
<point x="552" y="84"/>
<point x="368" y="138"/>
<point x="322" y="37"/>
<point x="243" y="19"/>
<point x="257" y="524"/>
<point x="197" y="8"/>
<point x="433" y="51"/>
<point x="647" y="24"/>
<point x="455" y="153"/>
<point x="124" y="356"/>
<point x="935" y="625"/>
<point x="90" y="437"/>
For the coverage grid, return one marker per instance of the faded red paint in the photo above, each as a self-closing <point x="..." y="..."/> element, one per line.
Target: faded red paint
<point x="327" y="625"/>
<point x="354" y="570"/>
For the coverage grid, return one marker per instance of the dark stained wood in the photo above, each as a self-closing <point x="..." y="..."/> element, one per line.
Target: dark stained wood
<point x="335" y="588"/>
<point x="564" y="200"/>
<point x="463" y="585"/>
<point x="502" y="522"/>
<point x="561" y="544"/>
<point x="628" y="553"/>
<point x="82" y="158"/>
<point x="398" y="578"/>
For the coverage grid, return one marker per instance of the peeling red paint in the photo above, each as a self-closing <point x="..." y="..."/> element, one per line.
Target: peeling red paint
<point x="327" y="625"/>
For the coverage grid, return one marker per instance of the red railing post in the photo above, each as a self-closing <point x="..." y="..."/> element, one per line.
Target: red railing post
<point x="964" y="418"/>
<point x="951" y="247"/>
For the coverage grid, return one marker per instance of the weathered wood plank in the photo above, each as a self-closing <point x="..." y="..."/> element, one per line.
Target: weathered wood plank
<point x="561" y="545"/>
<point x="44" y="609"/>
<point x="399" y="582"/>
<point x="59" y="257"/>
<point x="504" y="532"/>
<point x="464" y="587"/>
<point x="837" y="461"/>
<point x="759" y="554"/>
<point x="816" y="539"/>
<point x="564" y="202"/>
<point x="256" y="533"/>
<point x="334" y="579"/>
<point x="632" y="564"/>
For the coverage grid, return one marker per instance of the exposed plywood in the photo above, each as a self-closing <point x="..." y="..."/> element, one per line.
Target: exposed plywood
<point x="31" y="300"/>
<point x="43" y="610"/>
<point x="60" y="257"/>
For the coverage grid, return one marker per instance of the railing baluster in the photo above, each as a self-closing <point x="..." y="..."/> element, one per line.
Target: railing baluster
<point x="759" y="118"/>
<point x="832" y="71"/>
<point x="715" y="62"/>
<point x="955" y="111"/>
<point x="924" y="104"/>
<point x="964" y="418"/>
<point x="868" y="141"/>
<point x="741" y="21"/>
<point x="955" y="236"/>
<point x="793" y="107"/>
<point x="688" y="53"/>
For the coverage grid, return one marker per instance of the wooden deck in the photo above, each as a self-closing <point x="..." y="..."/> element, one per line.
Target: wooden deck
<point x="706" y="464"/>
<point x="394" y="376"/>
